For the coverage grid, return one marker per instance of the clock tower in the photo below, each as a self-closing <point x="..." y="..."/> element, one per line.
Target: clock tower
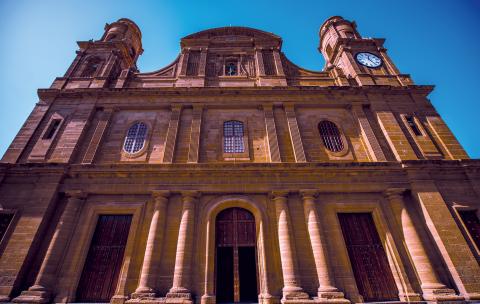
<point x="364" y="61"/>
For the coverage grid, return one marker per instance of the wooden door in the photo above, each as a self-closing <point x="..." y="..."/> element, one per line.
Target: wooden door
<point x="104" y="259"/>
<point x="472" y="223"/>
<point x="369" y="262"/>
<point x="236" y="267"/>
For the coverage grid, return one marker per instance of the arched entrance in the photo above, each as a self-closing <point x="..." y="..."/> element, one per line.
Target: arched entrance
<point x="236" y="265"/>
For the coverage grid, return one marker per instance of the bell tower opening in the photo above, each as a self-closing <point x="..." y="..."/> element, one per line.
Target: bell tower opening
<point x="236" y="263"/>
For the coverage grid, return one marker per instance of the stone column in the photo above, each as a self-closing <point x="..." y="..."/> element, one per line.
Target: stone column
<point x="433" y="289"/>
<point x="153" y="251"/>
<point x="183" y="258"/>
<point x="326" y="290"/>
<point x="291" y="289"/>
<point x="41" y="290"/>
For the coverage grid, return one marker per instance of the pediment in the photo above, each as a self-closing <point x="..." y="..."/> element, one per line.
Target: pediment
<point x="231" y="34"/>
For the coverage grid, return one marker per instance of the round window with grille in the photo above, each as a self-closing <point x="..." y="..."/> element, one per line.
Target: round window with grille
<point x="135" y="139"/>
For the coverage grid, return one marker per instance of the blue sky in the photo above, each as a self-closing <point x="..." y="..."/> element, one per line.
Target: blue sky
<point x="437" y="42"/>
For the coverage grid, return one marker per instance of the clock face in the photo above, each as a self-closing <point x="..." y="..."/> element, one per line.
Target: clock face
<point x="369" y="60"/>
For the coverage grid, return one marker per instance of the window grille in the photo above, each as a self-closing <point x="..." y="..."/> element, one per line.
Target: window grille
<point x="233" y="137"/>
<point x="412" y="124"/>
<point x="193" y="63"/>
<point x="268" y="63"/>
<point x="135" y="139"/>
<point x="331" y="136"/>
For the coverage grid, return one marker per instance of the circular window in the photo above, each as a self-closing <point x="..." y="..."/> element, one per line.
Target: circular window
<point x="135" y="139"/>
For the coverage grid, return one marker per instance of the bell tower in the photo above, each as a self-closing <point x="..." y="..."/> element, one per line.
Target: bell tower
<point x="364" y="61"/>
<point x="105" y="62"/>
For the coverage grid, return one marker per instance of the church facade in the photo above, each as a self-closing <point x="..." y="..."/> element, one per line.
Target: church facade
<point x="233" y="175"/>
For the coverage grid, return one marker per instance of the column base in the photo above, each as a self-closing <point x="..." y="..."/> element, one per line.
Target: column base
<point x="179" y="297"/>
<point x="144" y="300"/>
<point x="208" y="299"/>
<point x="266" y="298"/>
<point x="410" y="297"/>
<point x="472" y="296"/>
<point x="297" y="301"/>
<point x="441" y="295"/>
<point x="143" y="295"/>
<point x="33" y="296"/>
<point x="331" y="297"/>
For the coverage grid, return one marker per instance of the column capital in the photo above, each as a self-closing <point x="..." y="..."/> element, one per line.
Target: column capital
<point x="160" y="194"/>
<point x="308" y="194"/>
<point x="394" y="193"/>
<point x="76" y="194"/>
<point x="279" y="194"/>
<point x="190" y="194"/>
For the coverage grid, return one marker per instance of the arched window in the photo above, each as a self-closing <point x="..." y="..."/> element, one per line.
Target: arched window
<point x="233" y="137"/>
<point x="91" y="67"/>
<point x="135" y="139"/>
<point x="331" y="136"/>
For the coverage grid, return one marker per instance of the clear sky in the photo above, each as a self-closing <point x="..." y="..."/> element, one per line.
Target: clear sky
<point x="437" y="42"/>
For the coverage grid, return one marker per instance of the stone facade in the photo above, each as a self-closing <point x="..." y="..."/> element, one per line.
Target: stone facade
<point x="389" y="155"/>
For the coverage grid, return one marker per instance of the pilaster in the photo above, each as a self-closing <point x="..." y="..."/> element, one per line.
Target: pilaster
<point x="195" y="130"/>
<point x="273" y="149"/>
<point x="368" y="135"/>
<point x="97" y="137"/>
<point x="172" y="131"/>
<point x="295" y="136"/>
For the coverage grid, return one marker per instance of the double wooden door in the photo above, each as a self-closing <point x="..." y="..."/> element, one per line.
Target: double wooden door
<point x="372" y="272"/>
<point x="104" y="259"/>
<point x="236" y="266"/>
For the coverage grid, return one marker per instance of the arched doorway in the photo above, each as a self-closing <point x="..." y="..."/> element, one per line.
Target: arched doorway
<point x="236" y="265"/>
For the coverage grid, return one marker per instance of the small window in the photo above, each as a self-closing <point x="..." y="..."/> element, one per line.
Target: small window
<point x="52" y="129"/>
<point x="331" y="136"/>
<point x="413" y="125"/>
<point x="233" y="137"/>
<point x="135" y="139"/>
<point x="91" y="67"/>
<point x="231" y="68"/>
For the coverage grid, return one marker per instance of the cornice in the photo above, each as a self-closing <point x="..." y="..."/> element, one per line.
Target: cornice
<point x="234" y="91"/>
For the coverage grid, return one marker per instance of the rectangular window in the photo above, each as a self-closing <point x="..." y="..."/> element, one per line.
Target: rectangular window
<point x="413" y="125"/>
<point x="269" y="63"/>
<point x="52" y="128"/>
<point x="472" y="223"/>
<point x="193" y="63"/>
<point x="233" y="137"/>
